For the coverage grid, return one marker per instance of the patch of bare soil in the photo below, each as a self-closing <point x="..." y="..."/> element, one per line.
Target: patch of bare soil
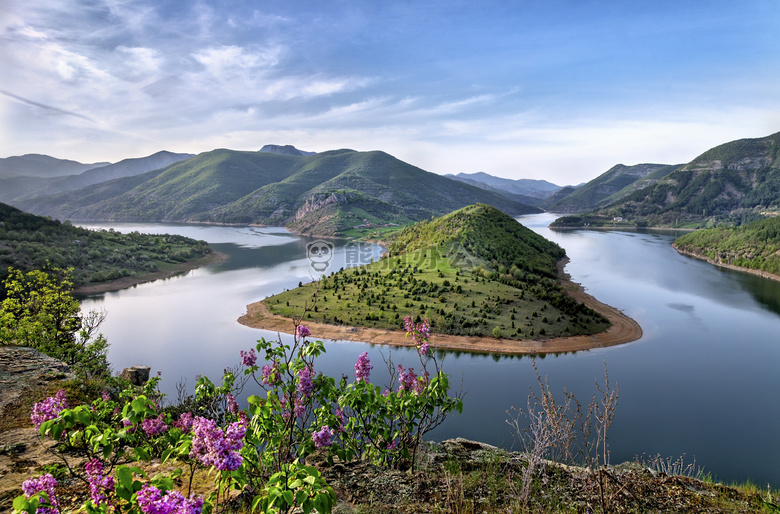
<point x="623" y="330"/>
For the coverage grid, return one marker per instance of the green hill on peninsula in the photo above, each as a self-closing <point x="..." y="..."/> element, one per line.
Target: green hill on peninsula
<point x="30" y="242"/>
<point x="755" y="246"/>
<point x="475" y="271"/>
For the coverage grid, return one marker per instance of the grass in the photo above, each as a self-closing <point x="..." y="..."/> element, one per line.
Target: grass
<point x="456" y="298"/>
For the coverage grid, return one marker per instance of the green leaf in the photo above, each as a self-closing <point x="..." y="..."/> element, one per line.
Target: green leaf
<point x="24" y="505"/>
<point x="141" y="453"/>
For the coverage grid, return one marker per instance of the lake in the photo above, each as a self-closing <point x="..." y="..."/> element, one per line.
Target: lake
<point x="703" y="381"/>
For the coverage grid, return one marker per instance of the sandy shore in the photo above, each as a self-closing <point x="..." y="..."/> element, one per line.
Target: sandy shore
<point x="125" y="282"/>
<point x="623" y="330"/>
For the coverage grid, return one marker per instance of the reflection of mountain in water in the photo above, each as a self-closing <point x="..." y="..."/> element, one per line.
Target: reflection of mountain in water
<point x="765" y="291"/>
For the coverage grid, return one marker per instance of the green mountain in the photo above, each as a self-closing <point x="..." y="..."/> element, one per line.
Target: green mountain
<point x="475" y="271"/>
<point x="755" y="246"/>
<point x="30" y="242"/>
<point x="37" y="165"/>
<point x="325" y="193"/>
<point x="19" y="188"/>
<point x="733" y="183"/>
<point x="615" y="183"/>
<point x="486" y="235"/>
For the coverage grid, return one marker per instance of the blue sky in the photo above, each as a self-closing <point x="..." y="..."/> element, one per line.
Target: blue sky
<point x="555" y="90"/>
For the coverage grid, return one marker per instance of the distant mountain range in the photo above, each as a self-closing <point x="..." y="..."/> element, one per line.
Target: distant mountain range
<point x="329" y="193"/>
<point x="528" y="191"/>
<point x="36" y="165"/>
<point x="734" y="183"/>
<point x="324" y="193"/>
<point x="28" y="177"/>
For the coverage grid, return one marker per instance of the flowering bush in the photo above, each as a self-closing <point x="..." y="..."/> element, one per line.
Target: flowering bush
<point x="264" y="447"/>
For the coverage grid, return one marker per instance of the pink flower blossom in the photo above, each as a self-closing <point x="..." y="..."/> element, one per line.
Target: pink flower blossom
<point x="184" y="422"/>
<point x="101" y="487"/>
<point x="48" y="409"/>
<point x="213" y="447"/>
<point x="42" y="484"/>
<point x="323" y="437"/>
<point x="154" y="426"/>
<point x="152" y="501"/>
<point x="363" y="368"/>
<point x="248" y="358"/>
<point x="302" y="331"/>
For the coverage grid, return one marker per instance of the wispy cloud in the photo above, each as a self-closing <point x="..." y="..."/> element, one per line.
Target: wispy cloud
<point x="46" y="108"/>
<point x="503" y="88"/>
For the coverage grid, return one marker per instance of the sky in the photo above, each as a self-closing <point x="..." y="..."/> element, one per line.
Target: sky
<point x="541" y="89"/>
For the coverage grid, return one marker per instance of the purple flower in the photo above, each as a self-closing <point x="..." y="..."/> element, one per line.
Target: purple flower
<point x="184" y="422"/>
<point x="101" y="487"/>
<point x="212" y="447"/>
<point x="406" y="377"/>
<point x="419" y="331"/>
<point x="42" y="484"/>
<point x="323" y="436"/>
<point x="363" y="368"/>
<point x="302" y="331"/>
<point x="152" y="501"/>
<point x="342" y="420"/>
<point x="48" y="409"/>
<point x="106" y="397"/>
<point x="305" y="384"/>
<point x="411" y="382"/>
<point x="248" y="358"/>
<point x="270" y="373"/>
<point x="154" y="426"/>
<point x="232" y="405"/>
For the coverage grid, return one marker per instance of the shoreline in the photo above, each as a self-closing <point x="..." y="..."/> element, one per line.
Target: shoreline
<point x="623" y="330"/>
<point x="631" y="228"/>
<point x="125" y="282"/>
<point x="756" y="272"/>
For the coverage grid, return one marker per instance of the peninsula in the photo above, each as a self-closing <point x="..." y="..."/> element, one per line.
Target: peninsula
<point x="485" y="282"/>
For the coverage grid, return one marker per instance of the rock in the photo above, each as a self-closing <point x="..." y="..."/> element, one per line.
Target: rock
<point x="136" y="375"/>
<point x="22" y="367"/>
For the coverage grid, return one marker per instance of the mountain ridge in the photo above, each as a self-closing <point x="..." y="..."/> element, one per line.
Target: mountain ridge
<point x="344" y="187"/>
<point x="733" y="183"/>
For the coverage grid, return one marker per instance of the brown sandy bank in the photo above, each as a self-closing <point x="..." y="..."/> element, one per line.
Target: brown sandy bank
<point x="623" y="330"/>
<point x="125" y="282"/>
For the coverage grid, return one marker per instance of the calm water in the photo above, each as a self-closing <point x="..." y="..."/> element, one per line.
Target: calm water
<point x="703" y="381"/>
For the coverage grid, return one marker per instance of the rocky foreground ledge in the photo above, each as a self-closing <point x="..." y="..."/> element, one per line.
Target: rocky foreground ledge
<point x="26" y="376"/>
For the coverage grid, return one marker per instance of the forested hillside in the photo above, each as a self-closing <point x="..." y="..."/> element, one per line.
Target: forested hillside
<point x="30" y="242"/>
<point x="755" y="246"/>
